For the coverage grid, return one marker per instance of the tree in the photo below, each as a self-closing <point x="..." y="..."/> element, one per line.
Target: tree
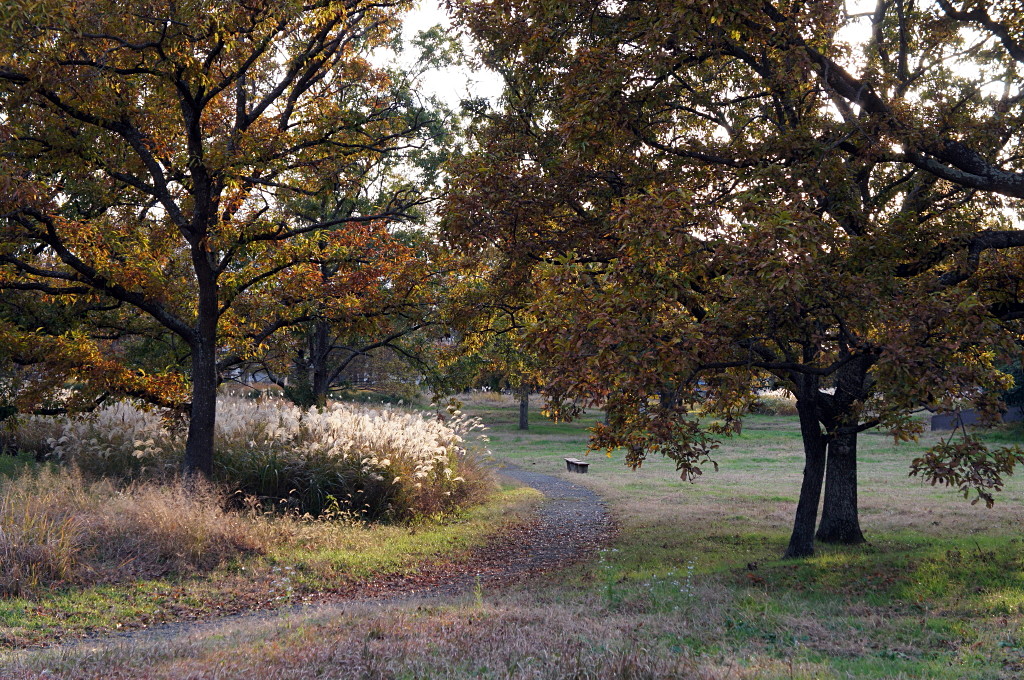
<point x="385" y="293"/>
<point x="63" y="348"/>
<point x="377" y="297"/>
<point x="504" y="357"/>
<point x="162" y="159"/>
<point x="701" y="211"/>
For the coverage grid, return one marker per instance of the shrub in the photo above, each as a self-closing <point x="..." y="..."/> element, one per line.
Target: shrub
<point x="30" y="434"/>
<point x="118" y="440"/>
<point x="374" y="463"/>
<point x="774" y="403"/>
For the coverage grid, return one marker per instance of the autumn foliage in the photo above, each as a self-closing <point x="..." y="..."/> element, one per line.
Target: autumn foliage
<point x="706" y="201"/>
<point x="191" y="178"/>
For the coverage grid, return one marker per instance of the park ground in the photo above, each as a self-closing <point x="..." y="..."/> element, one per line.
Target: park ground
<point x="690" y="584"/>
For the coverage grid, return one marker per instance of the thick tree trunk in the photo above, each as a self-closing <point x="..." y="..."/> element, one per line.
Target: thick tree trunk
<point x="310" y="381"/>
<point x="319" y="354"/>
<point x="199" y="444"/>
<point x="524" y="407"/>
<point x="801" y="542"/>
<point x="668" y="397"/>
<point x="839" y="517"/>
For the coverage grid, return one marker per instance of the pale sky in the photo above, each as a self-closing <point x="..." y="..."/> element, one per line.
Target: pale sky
<point x="452" y="85"/>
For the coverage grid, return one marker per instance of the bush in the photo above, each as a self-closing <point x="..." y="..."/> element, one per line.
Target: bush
<point x="118" y="440"/>
<point x="30" y="434"/>
<point x="412" y="397"/>
<point x="774" y="403"/>
<point x="373" y="463"/>
<point x="58" y="527"/>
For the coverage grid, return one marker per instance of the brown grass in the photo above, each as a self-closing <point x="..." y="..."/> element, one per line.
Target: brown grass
<point x="57" y="527"/>
<point x="635" y="612"/>
<point x="513" y="636"/>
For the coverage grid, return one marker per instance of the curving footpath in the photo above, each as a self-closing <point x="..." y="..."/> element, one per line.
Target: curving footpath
<point x="571" y="523"/>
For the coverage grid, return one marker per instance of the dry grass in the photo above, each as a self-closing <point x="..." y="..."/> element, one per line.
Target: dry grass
<point x="57" y="527"/>
<point x="512" y="636"/>
<point x="692" y="588"/>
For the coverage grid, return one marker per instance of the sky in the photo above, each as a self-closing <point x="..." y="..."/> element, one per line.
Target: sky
<point x="455" y="84"/>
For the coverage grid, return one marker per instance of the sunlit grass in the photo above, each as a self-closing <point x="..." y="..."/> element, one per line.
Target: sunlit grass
<point x="692" y="586"/>
<point x="301" y="561"/>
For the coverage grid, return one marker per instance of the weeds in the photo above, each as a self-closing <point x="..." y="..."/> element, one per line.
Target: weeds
<point x="57" y="527"/>
<point x="609" y="577"/>
<point x="478" y="592"/>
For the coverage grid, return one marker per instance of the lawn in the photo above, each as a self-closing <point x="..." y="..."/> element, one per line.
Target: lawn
<point x="691" y="585"/>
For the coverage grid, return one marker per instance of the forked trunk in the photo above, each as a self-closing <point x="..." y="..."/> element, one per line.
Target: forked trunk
<point x="801" y="542"/>
<point x="840" y="522"/>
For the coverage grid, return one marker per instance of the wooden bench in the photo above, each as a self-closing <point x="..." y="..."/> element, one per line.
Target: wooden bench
<point x="576" y="465"/>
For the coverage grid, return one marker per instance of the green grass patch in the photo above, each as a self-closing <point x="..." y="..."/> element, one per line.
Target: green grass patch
<point x="16" y="464"/>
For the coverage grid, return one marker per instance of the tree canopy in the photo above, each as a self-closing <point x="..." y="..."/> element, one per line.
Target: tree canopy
<point x="708" y="197"/>
<point x="195" y="168"/>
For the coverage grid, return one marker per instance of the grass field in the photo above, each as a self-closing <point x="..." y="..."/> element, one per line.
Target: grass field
<point x="691" y="585"/>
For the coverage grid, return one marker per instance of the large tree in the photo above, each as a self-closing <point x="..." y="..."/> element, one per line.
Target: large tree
<point x="162" y="157"/>
<point x="706" y="208"/>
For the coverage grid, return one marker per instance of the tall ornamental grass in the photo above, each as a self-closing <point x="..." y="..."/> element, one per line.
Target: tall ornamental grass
<point x="373" y="463"/>
<point x="344" y="459"/>
<point x="774" y="403"/>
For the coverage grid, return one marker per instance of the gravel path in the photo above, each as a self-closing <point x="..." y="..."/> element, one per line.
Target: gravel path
<point x="571" y="523"/>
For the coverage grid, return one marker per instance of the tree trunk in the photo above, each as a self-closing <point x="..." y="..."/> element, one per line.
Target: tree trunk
<point x="839" y="517"/>
<point x="801" y="542"/>
<point x="319" y="355"/>
<point x="203" y="416"/>
<point x="199" y="444"/>
<point x="524" y="407"/>
<point x="668" y="397"/>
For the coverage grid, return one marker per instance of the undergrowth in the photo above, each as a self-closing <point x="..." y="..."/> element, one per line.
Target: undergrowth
<point x="59" y="528"/>
<point x="372" y="463"/>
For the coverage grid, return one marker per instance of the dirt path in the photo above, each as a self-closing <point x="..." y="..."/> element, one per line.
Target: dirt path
<point x="571" y="523"/>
